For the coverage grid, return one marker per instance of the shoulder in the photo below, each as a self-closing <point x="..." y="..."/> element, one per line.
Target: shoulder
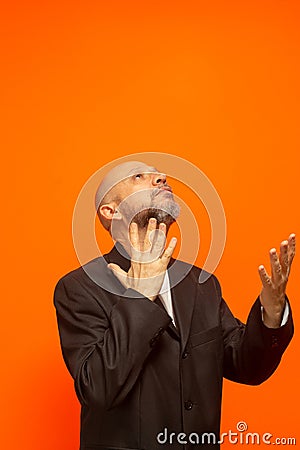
<point x="85" y="273"/>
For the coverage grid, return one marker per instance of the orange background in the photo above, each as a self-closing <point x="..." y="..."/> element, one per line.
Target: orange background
<point x="86" y="82"/>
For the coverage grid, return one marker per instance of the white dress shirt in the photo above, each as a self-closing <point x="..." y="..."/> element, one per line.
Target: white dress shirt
<point x="166" y="297"/>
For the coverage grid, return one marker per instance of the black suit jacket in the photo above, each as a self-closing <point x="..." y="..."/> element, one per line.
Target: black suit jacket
<point x="137" y="376"/>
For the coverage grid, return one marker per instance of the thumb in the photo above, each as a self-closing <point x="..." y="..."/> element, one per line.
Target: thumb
<point x="119" y="273"/>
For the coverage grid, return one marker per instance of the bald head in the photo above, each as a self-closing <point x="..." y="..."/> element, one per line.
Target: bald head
<point x="116" y="176"/>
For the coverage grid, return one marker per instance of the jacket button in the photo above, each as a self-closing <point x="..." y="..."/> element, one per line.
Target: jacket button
<point x="185" y="355"/>
<point x="188" y="405"/>
<point x="274" y="341"/>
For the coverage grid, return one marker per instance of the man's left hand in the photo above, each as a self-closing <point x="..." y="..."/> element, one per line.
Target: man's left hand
<point x="272" y="296"/>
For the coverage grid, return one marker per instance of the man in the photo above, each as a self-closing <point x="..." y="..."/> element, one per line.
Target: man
<point x="146" y="342"/>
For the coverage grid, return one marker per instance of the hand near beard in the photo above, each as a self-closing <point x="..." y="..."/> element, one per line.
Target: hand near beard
<point x="149" y="260"/>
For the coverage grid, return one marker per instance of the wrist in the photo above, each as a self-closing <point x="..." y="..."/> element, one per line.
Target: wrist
<point x="273" y="318"/>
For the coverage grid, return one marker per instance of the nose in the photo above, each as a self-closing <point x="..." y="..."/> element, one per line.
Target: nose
<point x="159" y="178"/>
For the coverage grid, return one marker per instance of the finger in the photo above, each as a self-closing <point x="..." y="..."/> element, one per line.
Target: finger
<point x="169" y="250"/>
<point x="162" y="226"/>
<point x="265" y="279"/>
<point x="119" y="273"/>
<point x="149" y="233"/>
<point x="275" y="266"/>
<point x="284" y="258"/>
<point x="160" y="240"/>
<point x="291" y="248"/>
<point x="134" y="235"/>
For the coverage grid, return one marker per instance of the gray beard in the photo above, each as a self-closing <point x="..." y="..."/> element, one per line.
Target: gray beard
<point x="168" y="215"/>
<point x="164" y="211"/>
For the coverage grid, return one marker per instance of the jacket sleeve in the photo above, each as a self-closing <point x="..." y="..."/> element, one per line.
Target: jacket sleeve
<point x="105" y="353"/>
<point x="252" y="351"/>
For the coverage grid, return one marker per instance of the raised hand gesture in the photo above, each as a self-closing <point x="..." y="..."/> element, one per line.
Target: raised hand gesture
<point x="272" y="296"/>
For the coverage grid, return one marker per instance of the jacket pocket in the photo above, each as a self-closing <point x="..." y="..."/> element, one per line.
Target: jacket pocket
<point x="205" y="336"/>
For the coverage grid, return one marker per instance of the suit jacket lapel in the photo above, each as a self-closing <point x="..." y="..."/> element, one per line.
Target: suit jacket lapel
<point x="183" y="297"/>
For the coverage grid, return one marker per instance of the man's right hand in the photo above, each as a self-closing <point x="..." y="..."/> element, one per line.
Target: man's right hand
<point x="149" y="260"/>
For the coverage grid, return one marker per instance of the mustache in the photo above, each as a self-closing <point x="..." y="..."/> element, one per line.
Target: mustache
<point x="156" y="191"/>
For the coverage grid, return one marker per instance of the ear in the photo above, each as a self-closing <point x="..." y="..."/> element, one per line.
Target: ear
<point x="109" y="212"/>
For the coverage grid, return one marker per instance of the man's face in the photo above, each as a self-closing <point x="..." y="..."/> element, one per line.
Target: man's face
<point x="144" y="193"/>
